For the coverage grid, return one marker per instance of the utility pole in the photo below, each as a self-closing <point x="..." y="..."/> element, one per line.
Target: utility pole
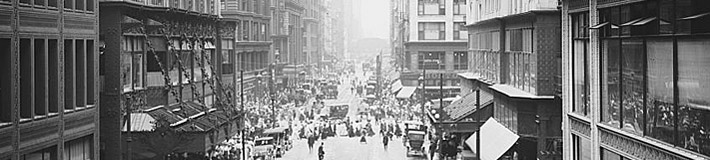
<point x="244" y="113"/>
<point x="272" y="95"/>
<point x="478" y="135"/>
<point x="379" y="74"/>
<point x="422" y="80"/>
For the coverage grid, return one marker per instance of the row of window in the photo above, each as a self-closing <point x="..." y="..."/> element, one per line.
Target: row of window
<point x="437" y="31"/>
<point x="76" y="5"/>
<point x="77" y="149"/>
<point x="252" y="31"/>
<point x="437" y="60"/>
<point x="521" y="67"/>
<point x="139" y="67"/>
<point x="652" y="86"/>
<point x="39" y="69"/>
<point x="438" y="7"/>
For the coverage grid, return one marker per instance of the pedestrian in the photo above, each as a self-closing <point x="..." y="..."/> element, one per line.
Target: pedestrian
<point x="321" y="152"/>
<point x="385" y="140"/>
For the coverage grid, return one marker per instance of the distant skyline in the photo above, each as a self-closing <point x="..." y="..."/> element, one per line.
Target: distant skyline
<point x="375" y="18"/>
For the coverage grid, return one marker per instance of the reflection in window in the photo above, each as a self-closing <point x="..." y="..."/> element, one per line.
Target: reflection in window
<point x="694" y="95"/>
<point x="610" y="79"/>
<point x="659" y="99"/>
<point x="632" y="85"/>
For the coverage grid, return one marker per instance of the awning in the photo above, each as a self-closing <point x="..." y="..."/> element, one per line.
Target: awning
<point x="396" y="86"/>
<point x="140" y="122"/>
<point x="467" y="105"/>
<point x="495" y="137"/>
<point x="513" y="92"/>
<point x="406" y="92"/>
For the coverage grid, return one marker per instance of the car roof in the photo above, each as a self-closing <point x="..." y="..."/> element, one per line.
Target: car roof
<point x="416" y="132"/>
<point x="414" y="122"/>
<point x="275" y="130"/>
<point x="264" y="138"/>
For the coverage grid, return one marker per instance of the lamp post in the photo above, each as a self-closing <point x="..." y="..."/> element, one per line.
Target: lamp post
<point x="478" y="136"/>
<point x="272" y="93"/>
<point x="422" y="83"/>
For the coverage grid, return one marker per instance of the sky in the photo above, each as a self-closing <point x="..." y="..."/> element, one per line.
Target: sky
<point x="375" y="18"/>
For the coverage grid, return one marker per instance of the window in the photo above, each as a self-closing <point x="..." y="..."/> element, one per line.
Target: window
<point x="580" y="56"/>
<point x="132" y="67"/>
<point x="80" y="73"/>
<point x="581" y="148"/>
<point x="40" y="78"/>
<point x="79" y="149"/>
<point x="693" y="94"/>
<point x="90" y="5"/>
<point x="52" y="3"/>
<point x="656" y="86"/>
<point x="68" y="4"/>
<point x="90" y="72"/>
<point x="5" y="80"/>
<point x="459" y="7"/>
<point x="26" y="78"/>
<point x="432" y="31"/>
<point x="49" y="153"/>
<point x="227" y="54"/>
<point x="69" y="74"/>
<point x="431" y="7"/>
<point x="431" y="60"/>
<point x="79" y="4"/>
<point x="53" y="75"/>
<point x="460" y="60"/>
<point x="460" y="31"/>
<point x="25" y="1"/>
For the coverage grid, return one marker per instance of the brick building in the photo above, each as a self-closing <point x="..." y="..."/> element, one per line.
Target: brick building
<point x="514" y="48"/>
<point x="436" y="43"/>
<point x="48" y="79"/>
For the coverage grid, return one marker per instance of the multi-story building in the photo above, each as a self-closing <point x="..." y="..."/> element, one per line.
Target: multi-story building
<point x="334" y="31"/>
<point x="160" y="70"/>
<point x="514" y="48"/>
<point x="246" y="44"/>
<point x="49" y="79"/>
<point x="287" y="40"/>
<point x="636" y="84"/>
<point x="436" y="43"/>
<point x="399" y="34"/>
<point x="313" y="23"/>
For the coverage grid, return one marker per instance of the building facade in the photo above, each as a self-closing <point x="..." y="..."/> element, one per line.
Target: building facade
<point x="160" y="72"/>
<point x="287" y="40"/>
<point x="48" y="81"/>
<point x="399" y="33"/>
<point x="514" y="48"/>
<point x="246" y="44"/>
<point x="436" y="43"/>
<point x="635" y="79"/>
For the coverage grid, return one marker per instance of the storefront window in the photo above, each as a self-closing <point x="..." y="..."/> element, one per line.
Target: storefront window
<point x="610" y="82"/>
<point x="694" y="95"/>
<point x="659" y="99"/>
<point x="632" y="85"/>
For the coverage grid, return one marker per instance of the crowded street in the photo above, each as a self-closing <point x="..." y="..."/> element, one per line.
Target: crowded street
<point x="342" y="147"/>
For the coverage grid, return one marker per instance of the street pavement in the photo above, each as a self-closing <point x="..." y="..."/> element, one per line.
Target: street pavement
<point x="346" y="148"/>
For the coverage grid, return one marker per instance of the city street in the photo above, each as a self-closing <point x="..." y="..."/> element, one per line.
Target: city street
<point x="347" y="148"/>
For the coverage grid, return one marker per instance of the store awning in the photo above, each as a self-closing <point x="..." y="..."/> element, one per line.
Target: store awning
<point x="396" y="86"/>
<point x="513" y="92"/>
<point x="406" y="92"/>
<point x="495" y="137"/>
<point x="467" y="105"/>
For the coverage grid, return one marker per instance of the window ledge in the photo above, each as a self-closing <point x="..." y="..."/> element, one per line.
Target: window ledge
<point x="5" y="124"/>
<point x="654" y="144"/>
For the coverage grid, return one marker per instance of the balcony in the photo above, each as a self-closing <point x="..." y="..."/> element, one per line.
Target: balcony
<point x="198" y="6"/>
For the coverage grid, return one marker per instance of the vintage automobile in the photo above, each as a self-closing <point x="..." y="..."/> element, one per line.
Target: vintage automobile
<point x="338" y="111"/>
<point x="265" y="149"/>
<point x="415" y="143"/>
<point x="281" y="137"/>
